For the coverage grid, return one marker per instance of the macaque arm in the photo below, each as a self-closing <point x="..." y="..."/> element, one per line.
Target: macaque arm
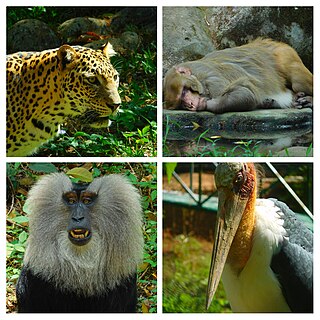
<point x="239" y="98"/>
<point x="242" y="99"/>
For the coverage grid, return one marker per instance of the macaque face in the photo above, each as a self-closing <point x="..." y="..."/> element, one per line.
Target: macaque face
<point x="182" y="90"/>
<point x="192" y="101"/>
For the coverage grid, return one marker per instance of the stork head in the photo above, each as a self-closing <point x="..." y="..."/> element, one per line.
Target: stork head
<point x="235" y="183"/>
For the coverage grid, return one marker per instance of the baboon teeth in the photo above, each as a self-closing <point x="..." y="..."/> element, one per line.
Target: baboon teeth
<point x="79" y="233"/>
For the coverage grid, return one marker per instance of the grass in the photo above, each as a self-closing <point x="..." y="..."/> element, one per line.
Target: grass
<point x="207" y="147"/>
<point x="186" y="262"/>
<point x="20" y="177"/>
<point x="195" y="148"/>
<point x="203" y="146"/>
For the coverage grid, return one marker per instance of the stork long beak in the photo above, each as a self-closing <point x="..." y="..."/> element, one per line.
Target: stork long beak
<point x="230" y="210"/>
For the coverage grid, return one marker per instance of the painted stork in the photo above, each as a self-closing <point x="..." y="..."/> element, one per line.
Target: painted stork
<point x="262" y="251"/>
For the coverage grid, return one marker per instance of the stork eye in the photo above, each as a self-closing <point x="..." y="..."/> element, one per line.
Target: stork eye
<point x="239" y="178"/>
<point x="238" y="181"/>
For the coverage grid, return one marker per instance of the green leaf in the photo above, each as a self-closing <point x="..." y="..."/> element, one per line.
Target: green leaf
<point x="19" y="248"/>
<point x="26" y="207"/>
<point x="154" y="195"/>
<point x="43" y="167"/>
<point x="82" y="174"/>
<point x="20" y="219"/>
<point x="170" y="166"/>
<point x="23" y="236"/>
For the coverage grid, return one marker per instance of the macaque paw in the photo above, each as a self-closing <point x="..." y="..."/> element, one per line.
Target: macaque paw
<point x="301" y="100"/>
<point x="268" y="103"/>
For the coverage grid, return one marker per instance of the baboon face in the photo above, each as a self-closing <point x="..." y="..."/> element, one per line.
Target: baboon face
<point x="80" y="203"/>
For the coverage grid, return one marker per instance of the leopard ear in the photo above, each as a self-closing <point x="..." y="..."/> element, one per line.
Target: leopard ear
<point x="67" y="57"/>
<point x="108" y="50"/>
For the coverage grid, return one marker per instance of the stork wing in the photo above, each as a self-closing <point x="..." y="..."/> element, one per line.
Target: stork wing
<point x="293" y="264"/>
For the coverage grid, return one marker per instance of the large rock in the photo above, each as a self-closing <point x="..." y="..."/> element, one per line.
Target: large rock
<point x="191" y="32"/>
<point x="31" y="35"/>
<point x="186" y="35"/>
<point x="258" y="125"/>
<point x="266" y="132"/>
<point x="295" y="152"/>
<point x="71" y="29"/>
<point x="127" y="42"/>
<point x="234" y="26"/>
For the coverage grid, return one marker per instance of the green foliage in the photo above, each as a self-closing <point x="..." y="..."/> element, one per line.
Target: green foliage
<point x="16" y="230"/>
<point x="309" y="150"/>
<point x="185" y="275"/>
<point x="213" y="149"/>
<point x="47" y="14"/>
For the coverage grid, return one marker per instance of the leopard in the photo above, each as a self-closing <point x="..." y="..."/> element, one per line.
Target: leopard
<point x="45" y="89"/>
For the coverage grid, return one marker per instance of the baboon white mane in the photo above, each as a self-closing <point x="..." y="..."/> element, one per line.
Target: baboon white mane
<point x="114" y="250"/>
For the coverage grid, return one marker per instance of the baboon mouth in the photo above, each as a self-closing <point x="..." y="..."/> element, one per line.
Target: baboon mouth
<point x="79" y="236"/>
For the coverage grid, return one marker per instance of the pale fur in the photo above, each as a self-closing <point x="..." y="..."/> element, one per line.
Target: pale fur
<point x="116" y="246"/>
<point x="256" y="288"/>
<point x="283" y="98"/>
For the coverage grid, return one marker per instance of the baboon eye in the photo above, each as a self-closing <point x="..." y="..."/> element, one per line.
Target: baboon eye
<point x="70" y="197"/>
<point x="87" y="197"/>
<point x="86" y="200"/>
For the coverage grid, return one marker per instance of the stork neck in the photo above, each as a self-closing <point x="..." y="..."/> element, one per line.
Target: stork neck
<point x="242" y="243"/>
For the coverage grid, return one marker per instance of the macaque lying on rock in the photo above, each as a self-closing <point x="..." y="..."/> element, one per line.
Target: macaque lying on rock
<point x="260" y="75"/>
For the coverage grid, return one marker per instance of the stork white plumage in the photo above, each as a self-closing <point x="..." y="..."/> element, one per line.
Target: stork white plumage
<point x="262" y="251"/>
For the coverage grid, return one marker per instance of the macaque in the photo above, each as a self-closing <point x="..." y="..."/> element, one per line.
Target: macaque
<point x="260" y="75"/>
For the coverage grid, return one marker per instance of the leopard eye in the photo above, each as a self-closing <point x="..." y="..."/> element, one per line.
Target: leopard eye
<point x="116" y="77"/>
<point x="93" y="80"/>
